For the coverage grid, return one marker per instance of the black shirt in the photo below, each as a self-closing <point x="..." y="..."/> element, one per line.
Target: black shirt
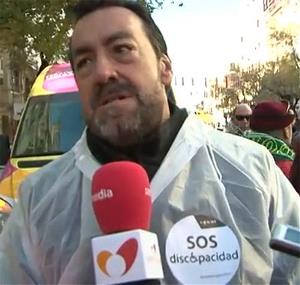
<point x="149" y="153"/>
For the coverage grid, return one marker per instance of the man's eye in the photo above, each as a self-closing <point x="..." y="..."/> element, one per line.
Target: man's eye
<point x="82" y="63"/>
<point x="123" y="49"/>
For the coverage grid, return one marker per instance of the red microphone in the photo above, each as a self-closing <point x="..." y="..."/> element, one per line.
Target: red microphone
<point x="121" y="197"/>
<point x="121" y="201"/>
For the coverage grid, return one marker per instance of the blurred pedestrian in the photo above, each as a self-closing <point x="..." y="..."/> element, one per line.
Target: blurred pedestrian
<point x="295" y="170"/>
<point x="271" y="124"/>
<point x="296" y="127"/>
<point x="5" y="150"/>
<point x="240" y="117"/>
<point x="44" y="63"/>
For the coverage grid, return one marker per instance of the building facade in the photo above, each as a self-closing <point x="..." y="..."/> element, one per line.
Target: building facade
<point x="253" y="34"/>
<point x="15" y="85"/>
<point x="259" y="19"/>
<point x="190" y="90"/>
<point x="282" y="15"/>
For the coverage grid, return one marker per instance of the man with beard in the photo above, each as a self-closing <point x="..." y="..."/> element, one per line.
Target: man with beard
<point x="121" y="66"/>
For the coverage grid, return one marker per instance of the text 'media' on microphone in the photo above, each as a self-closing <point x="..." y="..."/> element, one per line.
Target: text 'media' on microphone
<point x="127" y="252"/>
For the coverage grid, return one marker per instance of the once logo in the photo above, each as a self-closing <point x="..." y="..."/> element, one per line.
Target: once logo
<point x="60" y="78"/>
<point x="202" y="250"/>
<point x="59" y="75"/>
<point x="102" y="195"/>
<point x="118" y="264"/>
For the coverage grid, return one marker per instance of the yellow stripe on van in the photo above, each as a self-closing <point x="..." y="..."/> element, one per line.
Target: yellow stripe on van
<point x="37" y="88"/>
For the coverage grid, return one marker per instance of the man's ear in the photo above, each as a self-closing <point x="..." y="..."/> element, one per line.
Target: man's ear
<point x="166" y="72"/>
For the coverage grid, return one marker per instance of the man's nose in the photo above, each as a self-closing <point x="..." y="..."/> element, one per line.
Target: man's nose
<point x="105" y="70"/>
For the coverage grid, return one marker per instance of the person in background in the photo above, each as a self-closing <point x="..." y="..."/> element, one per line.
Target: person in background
<point x="44" y="63"/>
<point x="271" y="124"/>
<point x="296" y="127"/>
<point x="4" y="143"/>
<point x="198" y="174"/>
<point x="295" y="170"/>
<point x="240" y="117"/>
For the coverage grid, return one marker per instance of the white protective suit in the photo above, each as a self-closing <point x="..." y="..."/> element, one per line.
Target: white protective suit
<point x="206" y="172"/>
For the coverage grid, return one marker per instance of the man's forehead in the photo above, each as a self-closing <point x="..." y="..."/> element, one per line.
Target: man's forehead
<point x="110" y="16"/>
<point x="243" y="110"/>
<point x="101" y="24"/>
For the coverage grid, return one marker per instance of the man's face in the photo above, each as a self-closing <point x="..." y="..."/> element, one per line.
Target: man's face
<point x="241" y="117"/>
<point x="120" y="80"/>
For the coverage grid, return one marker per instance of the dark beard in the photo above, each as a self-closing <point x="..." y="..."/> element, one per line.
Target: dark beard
<point x="149" y="152"/>
<point x="129" y="129"/>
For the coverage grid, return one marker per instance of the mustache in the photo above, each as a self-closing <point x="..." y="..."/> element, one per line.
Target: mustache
<point x="114" y="87"/>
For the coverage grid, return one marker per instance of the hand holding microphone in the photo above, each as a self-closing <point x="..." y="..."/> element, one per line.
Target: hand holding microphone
<point x="122" y="204"/>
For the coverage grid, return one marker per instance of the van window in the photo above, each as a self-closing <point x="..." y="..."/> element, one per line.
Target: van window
<point x="51" y="125"/>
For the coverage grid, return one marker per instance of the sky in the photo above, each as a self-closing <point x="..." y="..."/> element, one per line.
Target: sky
<point x="202" y="35"/>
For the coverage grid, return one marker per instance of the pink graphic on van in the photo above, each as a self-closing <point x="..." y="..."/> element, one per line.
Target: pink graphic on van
<point x="60" y="78"/>
<point x="8" y="170"/>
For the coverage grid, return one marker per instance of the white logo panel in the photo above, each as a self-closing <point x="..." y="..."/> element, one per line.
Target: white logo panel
<point x="201" y="250"/>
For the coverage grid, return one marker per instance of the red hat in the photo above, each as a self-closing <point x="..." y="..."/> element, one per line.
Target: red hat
<point x="270" y="116"/>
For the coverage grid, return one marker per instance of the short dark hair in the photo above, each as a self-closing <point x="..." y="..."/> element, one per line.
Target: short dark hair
<point x="84" y="7"/>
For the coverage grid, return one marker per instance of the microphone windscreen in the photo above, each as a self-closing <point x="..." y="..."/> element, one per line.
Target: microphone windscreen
<point x="121" y="197"/>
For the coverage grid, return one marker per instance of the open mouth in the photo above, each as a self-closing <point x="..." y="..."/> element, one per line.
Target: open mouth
<point x="113" y="98"/>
